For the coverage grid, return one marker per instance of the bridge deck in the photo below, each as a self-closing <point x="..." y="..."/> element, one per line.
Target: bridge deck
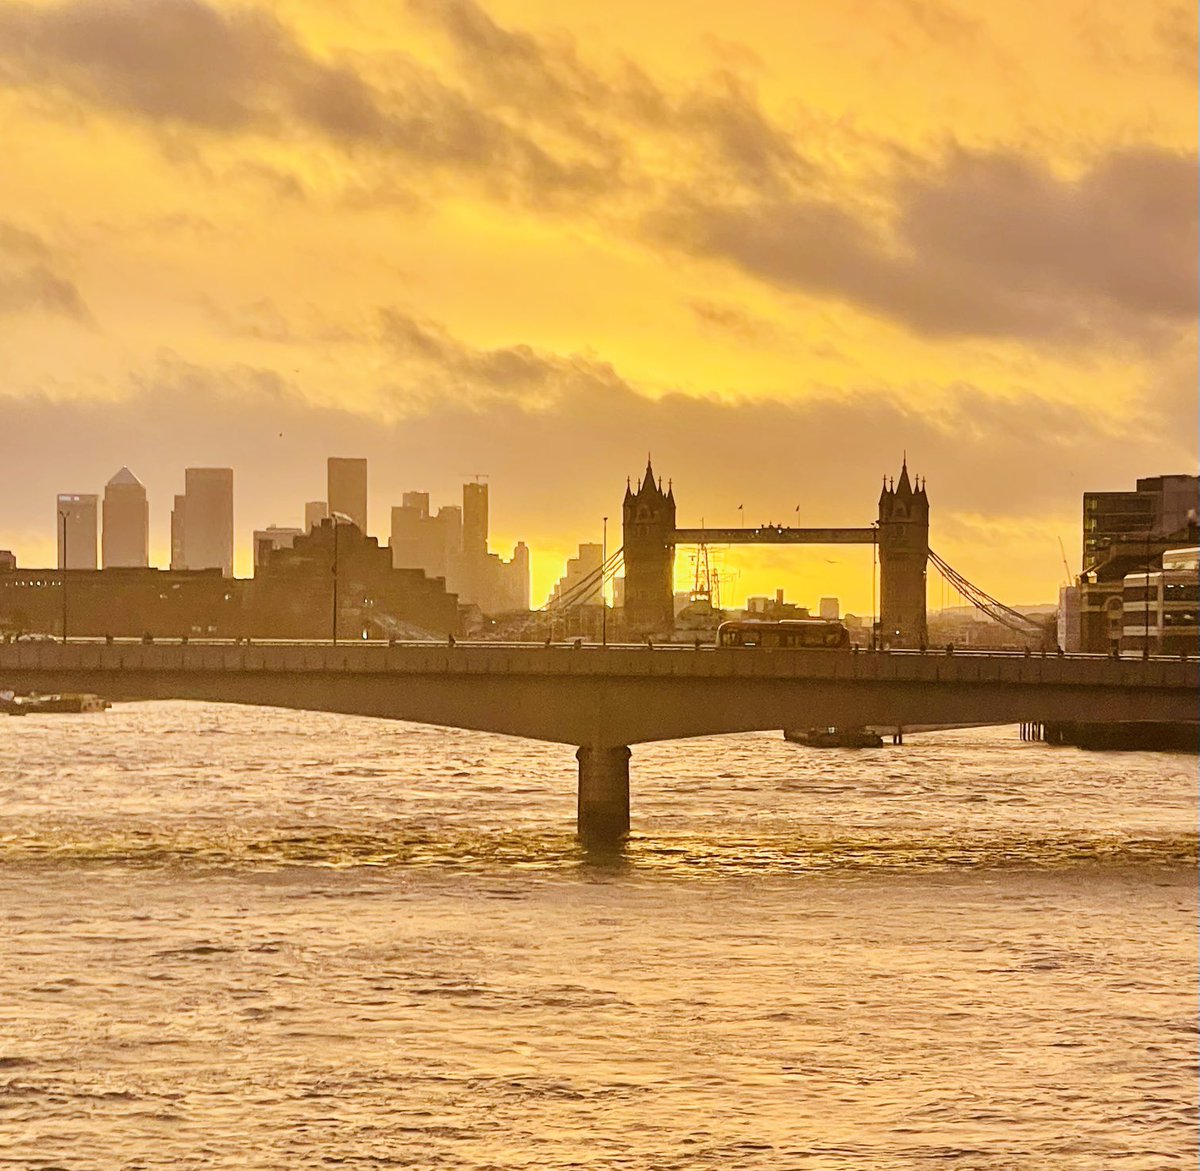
<point x="616" y="660"/>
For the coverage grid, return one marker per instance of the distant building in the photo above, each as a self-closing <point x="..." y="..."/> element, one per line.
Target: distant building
<point x="581" y="582"/>
<point x="315" y="511"/>
<point x="272" y="537"/>
<point x="453" y="544"/>
<point x="517" y="578"/>
<point x="1158" y="507"/>
<point x="126" y="535"/>
<point x="347" y="488"/>
<point x="475" y="519"/>
<point x="829" y="609"/>
<point x="773" y="609"/>
<point x="202" y="521"/>
<point x="75" y="520"/>
<point x="421" y="541"/>
<point x="178" y="553"/>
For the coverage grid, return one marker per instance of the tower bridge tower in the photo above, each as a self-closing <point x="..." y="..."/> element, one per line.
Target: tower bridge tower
<point x="903" y="553"/>
<point x="648" y="517"/>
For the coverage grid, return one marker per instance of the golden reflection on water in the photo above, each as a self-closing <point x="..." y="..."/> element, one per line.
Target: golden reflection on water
<point x="640" y="854"/>
<point x="259" y="940"/>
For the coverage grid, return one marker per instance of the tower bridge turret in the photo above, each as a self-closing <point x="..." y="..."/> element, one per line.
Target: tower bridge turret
<point x="648" y="517"/>
<point x="903" y="553"/>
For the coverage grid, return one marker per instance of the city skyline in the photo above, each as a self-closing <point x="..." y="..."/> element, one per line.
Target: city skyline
<point x="753" y="241"/>
<point x="803" y="574"/>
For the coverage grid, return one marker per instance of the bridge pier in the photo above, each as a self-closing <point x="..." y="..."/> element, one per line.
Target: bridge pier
<point x="603" y="810"/>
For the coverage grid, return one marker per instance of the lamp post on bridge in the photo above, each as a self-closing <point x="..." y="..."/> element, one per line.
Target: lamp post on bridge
<point x="63" y="518"/>
<point x="1146" y="597"/>
<point x="337" y="518"/>
<point x="603" y="569"/>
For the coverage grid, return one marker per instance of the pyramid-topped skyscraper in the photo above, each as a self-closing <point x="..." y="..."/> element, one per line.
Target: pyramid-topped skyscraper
<point x="126" y="536"/>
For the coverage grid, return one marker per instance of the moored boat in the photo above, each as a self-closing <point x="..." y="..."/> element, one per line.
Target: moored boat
<point x="834" y="737"/>
<point x="69" y="702"/>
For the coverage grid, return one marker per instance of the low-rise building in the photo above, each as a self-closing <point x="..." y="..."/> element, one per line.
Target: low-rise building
<point x="1159" y="606"/>
<point x="126" y="602"/>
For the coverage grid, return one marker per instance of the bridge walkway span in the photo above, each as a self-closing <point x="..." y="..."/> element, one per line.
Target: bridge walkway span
<point x="602" y="700"/>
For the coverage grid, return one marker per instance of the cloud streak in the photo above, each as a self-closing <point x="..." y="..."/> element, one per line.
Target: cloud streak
<point x="31" y="280"/>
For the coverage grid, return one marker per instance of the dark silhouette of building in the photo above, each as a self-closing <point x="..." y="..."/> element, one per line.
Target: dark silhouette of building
<point x="125" y="602"/>
<point x="125" y="539"/>
<point x="903" y="553"/>
<point x="292" y="593"/>
<point x="648" y="534"/>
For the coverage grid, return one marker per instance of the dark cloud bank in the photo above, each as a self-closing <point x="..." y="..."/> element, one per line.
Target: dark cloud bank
<point x="975" y="243"/>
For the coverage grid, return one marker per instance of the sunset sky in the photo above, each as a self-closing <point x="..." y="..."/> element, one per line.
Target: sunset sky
<point x="777" y="243"/>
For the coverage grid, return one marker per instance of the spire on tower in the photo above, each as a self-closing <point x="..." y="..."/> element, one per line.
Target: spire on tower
<point x="648" y="478"/>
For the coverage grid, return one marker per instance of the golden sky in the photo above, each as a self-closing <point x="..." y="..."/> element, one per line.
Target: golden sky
<point x="776" y="243"/>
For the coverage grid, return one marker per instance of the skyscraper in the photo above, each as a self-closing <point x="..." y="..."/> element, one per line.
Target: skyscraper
<point x="178" y="519"/>
<point x="126" y="536"/>
<point x="475" y="519"/>
<point x="348" y="488"/>
<point x="75" y="520"/>
<point x="208" y="519"/>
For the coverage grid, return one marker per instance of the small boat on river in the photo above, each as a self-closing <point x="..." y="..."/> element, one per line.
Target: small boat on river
<point x="69" y="702"/>
<point x="834" y="737"/>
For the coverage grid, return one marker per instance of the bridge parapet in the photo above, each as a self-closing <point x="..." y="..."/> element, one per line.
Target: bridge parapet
<point x="636" y="662"/>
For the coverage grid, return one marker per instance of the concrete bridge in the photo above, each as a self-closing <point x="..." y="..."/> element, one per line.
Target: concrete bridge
<point x="602" y="700"/>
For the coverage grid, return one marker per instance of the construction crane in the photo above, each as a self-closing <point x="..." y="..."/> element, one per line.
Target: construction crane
<point x="1068" y="580"/>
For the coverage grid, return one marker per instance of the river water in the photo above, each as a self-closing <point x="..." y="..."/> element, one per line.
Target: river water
<point x="247" y="938"/>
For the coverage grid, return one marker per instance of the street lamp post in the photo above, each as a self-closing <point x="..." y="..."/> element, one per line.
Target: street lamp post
<point x="603" y="603"/>
<point x="63" y="516"/>
<point x="337" y="518"/>
<point x="1146" y="599"/>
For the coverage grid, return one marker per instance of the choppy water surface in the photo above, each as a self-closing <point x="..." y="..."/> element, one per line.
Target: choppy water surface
<point x="248" y="938"/>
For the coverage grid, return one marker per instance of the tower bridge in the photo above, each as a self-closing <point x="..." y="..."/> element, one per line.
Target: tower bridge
<point x="900" y="535"/>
